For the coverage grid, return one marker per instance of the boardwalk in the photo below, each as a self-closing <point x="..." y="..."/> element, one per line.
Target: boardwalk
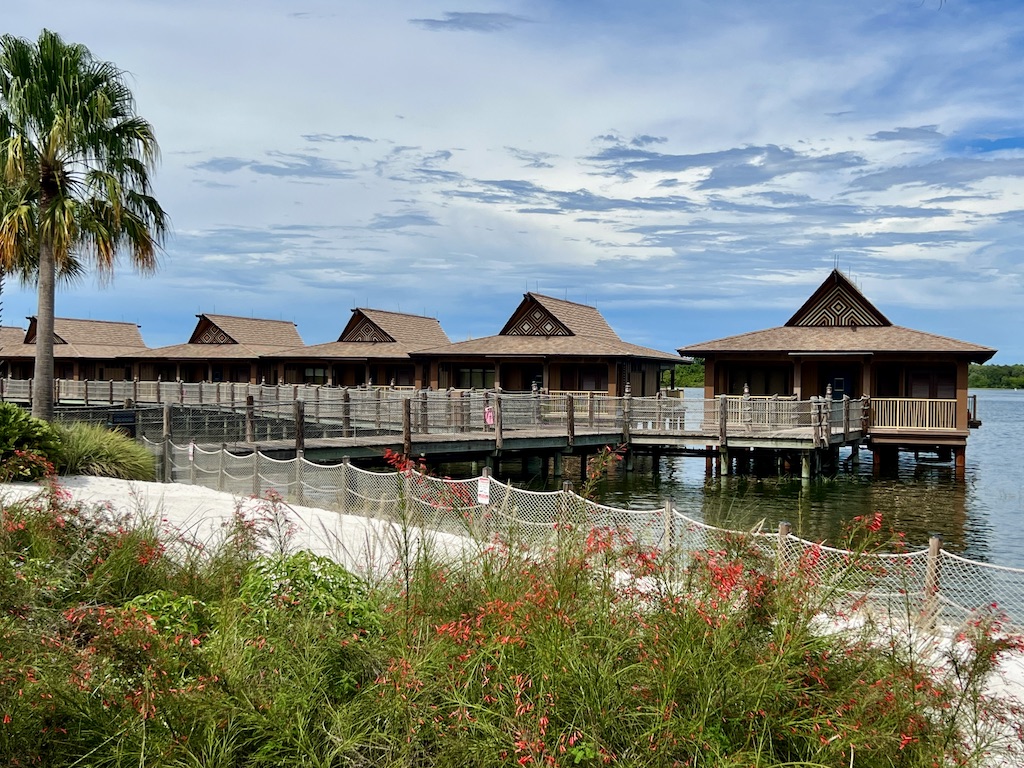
<point x="328" y="423"/>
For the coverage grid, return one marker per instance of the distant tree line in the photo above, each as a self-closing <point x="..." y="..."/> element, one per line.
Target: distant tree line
<point x="687" y="375"/>
<point x="996" y="376"/>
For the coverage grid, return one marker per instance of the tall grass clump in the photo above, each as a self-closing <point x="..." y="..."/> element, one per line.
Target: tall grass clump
<point x="130" y="643"/>
<point x="91" y="449"/>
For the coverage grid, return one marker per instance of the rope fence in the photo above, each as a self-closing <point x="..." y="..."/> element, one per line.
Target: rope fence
<point x="929" y="585"/>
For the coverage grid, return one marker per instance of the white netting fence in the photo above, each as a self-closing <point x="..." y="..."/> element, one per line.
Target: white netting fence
<point x="934" y="582"/>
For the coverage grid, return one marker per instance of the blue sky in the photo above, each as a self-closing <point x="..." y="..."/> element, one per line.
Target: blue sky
<point x="694" y="169"/>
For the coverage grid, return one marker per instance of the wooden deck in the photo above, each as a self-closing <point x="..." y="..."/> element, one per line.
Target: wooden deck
<point x="330" y="422"/>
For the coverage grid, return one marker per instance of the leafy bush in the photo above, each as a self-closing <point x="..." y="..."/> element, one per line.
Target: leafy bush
<point x="308" y="583"/>
<point x="26" y="443"/>
<point x="90" y="449"/>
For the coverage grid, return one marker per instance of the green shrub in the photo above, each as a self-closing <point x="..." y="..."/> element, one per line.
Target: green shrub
<point x="308" y="583"/>
<point x="90" y="449"/>
<point x="26" y="444"/>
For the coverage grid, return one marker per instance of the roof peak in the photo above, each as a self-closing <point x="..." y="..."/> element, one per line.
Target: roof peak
<point x="535" y="295"/>
<point x="245" y="317"/>
<point x="393" y="312"/>
<point x="838" y="302"/>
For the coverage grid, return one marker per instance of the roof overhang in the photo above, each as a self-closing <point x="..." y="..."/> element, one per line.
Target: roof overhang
<point x="850" y="353"/>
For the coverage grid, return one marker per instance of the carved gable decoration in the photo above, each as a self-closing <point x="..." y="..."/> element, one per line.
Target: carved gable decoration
<point x="208" y="332"/>
<point x="213" y="335"/>
<point x="363" y="329"/>
<point x="534" y="320"/>
<point x="837" y="302"/>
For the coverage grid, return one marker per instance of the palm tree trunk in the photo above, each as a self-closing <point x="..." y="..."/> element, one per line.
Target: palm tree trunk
<point x="42" y="383"/>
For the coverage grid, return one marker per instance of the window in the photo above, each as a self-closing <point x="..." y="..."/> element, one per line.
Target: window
<point x="474" y="378"/>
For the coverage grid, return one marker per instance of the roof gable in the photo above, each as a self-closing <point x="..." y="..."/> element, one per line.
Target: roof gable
<point x="361" y="328"/>
<point x="837" y="302"/>
<point x="539" y="315"/>
<point x="532" y="318"/>
<point x="227" y="329"/>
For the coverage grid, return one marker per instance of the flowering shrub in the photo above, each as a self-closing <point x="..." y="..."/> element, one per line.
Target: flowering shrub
<point x="27" y="445"/>
<point x="124" y="647"/>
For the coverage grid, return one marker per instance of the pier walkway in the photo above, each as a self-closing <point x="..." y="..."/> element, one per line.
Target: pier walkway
<point x="328" y="422"/>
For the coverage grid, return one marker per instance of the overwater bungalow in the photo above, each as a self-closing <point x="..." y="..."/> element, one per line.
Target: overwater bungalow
<point x="839" y="344"/>
<point x="99" y="350"/>
<point x="374" y="348"/>
<point x="550" y="344"/>
<point x="221" y="348"/>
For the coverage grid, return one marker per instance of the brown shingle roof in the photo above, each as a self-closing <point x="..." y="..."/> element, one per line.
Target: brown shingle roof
<point x="577" y="319"/>
<point x="543" y="346"/>
<point x="78" y="339"/>
<point x="544" y="326"/>
<point x="253" y="331"/>
<point x="837" y="318"/>
<point x="374" y="334"/>
<point x="226" y="337"/>
<point x="11" y="335"/>
<point x="416" y="331"/>
<point x="852" y="339"/>
<point x="105" y="333"/>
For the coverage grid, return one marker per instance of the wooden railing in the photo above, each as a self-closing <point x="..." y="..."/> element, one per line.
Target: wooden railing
<point x="912" y="413"/>
<point x="822" y="419"/>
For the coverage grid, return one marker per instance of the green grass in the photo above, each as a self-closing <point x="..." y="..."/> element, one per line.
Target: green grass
<point x="91" y="449"/>
<point x="126" y="644"/>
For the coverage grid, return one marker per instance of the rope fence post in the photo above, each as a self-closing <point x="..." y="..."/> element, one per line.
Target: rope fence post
<point x="406" y="425"/>
<point x="165" y="458"/>
<point x="668" y="542"/>
<point x="345" y="461"/>
<point x="782" y="559"/>
<point x="930" y="605"/>
<point x="220" y="466"/>
<point x="256" y="474"/>
<point x="299" y="493"/>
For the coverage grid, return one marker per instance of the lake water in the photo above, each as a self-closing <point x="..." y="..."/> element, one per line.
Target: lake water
<point x="981" y="517"/>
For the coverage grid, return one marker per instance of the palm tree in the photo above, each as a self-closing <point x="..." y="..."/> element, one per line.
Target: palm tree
<point x="74" y="164"/>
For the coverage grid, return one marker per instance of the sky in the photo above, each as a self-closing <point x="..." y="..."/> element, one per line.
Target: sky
<point x="693" y="169"/>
